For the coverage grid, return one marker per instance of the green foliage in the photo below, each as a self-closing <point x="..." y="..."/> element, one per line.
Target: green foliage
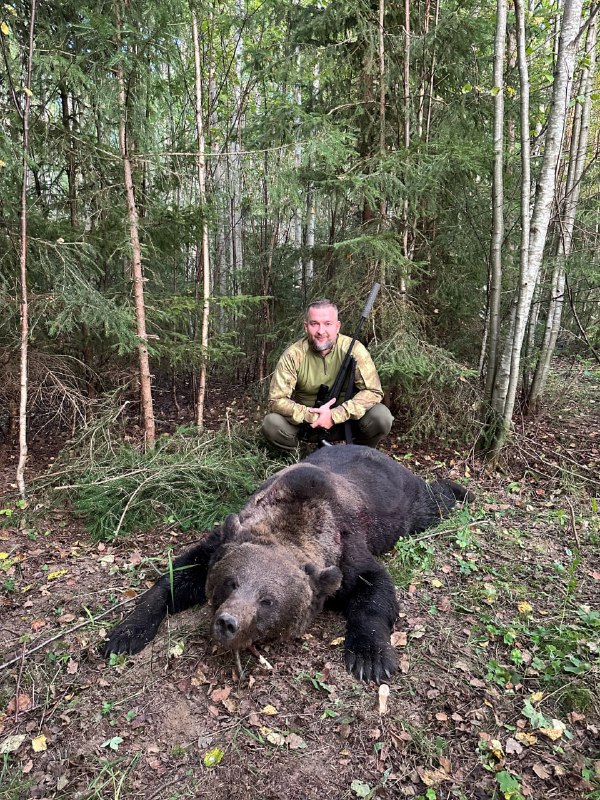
<point x="430" y="391"/>
<point x="188" y="480"/>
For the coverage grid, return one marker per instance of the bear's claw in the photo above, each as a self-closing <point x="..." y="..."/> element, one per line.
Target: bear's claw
<point x="371" y="663"/>
<point x="127" y="639"/>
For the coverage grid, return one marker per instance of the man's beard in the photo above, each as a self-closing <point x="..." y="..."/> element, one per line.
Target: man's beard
<point x="322" y="346"/>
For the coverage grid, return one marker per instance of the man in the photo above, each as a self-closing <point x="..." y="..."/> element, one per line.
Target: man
<point x="308" y="363"/>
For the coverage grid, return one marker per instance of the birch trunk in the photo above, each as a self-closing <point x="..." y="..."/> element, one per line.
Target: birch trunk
<point x="20" y="476"/>
<point x="495" y="277"/>
<point x="406" y="90"/>
<point x="136" y="252"/>
<point x="204" y="230"/>
<point x="578" y="150"/>
<point x="505" y="387"/>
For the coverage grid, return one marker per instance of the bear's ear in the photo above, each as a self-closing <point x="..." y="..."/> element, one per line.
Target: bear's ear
<point x="232" y="530"/>
<point x="325" y="582"/>
<point x="306" y="482"/>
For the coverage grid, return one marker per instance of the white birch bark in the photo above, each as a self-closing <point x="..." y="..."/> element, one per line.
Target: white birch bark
<point x="136" y="253"/>
<point x="505" y="388"/>
<point x="235" y="170"/>
<point x="20" y="475"/>
<point x="201" y="164"/>
<point x="578" y="150"/>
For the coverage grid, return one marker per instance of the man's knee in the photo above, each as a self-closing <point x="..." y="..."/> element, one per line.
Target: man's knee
<point x="374" y="425"/>
<point x="377" y="421"/>
<point x="279" y="432"/>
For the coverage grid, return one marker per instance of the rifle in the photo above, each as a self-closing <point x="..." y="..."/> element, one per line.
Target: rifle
<point x="346" y="372"/>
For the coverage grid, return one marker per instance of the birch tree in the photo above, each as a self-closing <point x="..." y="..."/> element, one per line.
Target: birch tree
<point x="23" y="263"/>
<point x="136" y="251"/>
<point x="204" y="261"/>
<point x="504" y="390"/>
<point x="495" y="277"/>
<point x="566" y="216"/>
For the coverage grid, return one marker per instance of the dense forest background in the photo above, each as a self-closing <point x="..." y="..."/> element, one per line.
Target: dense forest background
<point x="178" y="180"/>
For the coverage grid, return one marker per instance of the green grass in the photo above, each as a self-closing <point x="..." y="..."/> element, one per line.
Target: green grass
<point x="188" y="481"/>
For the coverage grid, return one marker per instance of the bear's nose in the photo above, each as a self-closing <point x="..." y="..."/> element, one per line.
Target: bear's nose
<point x="226" y="626"/>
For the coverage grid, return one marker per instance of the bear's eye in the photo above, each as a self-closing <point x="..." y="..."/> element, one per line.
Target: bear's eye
<point x="233" y="584"/>
<point x="266" y="602"/>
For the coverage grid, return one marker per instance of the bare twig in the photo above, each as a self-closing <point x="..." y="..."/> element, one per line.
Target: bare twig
<point x="26" y="653"/>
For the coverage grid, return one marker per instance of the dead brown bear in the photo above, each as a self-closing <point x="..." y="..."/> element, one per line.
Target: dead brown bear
<point x="309" y="534"/>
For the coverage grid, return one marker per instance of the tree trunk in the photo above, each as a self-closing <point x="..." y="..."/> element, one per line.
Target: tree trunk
<point x="20" y="476"/>
<point x="204" y="230"/>
<point x="136" y="253"/>
<point x="578" y="150"/>
<point x="505" y="386"/>
<point x="495" y="277"/>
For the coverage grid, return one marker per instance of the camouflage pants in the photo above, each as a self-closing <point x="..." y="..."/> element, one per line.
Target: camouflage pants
<point x="369" y="430"/>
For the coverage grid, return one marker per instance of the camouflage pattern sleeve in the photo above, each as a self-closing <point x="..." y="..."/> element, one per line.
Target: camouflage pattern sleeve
<point x="367" y="384"/>
<point x="282" y="387"/>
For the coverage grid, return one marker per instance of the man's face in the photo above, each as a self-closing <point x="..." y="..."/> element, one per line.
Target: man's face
<point x="322" y="327"/>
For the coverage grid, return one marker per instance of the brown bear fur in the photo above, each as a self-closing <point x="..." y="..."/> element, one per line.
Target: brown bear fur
<point x="308" y="534"/>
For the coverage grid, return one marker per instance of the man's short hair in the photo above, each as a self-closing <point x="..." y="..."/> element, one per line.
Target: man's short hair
<point x="323" y="303"/>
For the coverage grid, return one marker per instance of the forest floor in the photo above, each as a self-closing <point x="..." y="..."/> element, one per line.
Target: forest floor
<point x="498" y="638"/>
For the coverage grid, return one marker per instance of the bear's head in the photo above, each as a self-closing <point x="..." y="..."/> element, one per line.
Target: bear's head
<point x="260" y="592"/>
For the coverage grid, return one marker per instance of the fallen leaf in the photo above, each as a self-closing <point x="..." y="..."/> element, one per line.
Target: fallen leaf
<point x="338" y="641"/>
<point x="52" y="576"/>
<point x="512" y="746"/>
<point x="445" y="764"/>
<point x="524" y="607"/>
<point x="295" y="742"/>
<point x="399" y="639"/>
<point x="526" y="738"/>
<point x="269" y="711"/>
<point x="72" y="667"/>
<point x="556" y="731"/>
<point x="213" y="757"/>
<point x="441" y="717"/>
<point x="38" y="624"/>
<point x="230" y="705"/>
<point x="27" y="767"/>
<point x="220" y="694"/>
<point x="39" y="744"/>
<point x="11" y="744"/>
<point x="21" y="701"/>
<point x="177" y="650"/>
<point x="541" y="771"/>
<point x="495" y="747"/>
<point x="417" y="632"/>
<point x="432" y="777"/>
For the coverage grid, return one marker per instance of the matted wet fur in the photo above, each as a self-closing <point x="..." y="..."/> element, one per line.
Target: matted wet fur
<point x="309" y="534"/>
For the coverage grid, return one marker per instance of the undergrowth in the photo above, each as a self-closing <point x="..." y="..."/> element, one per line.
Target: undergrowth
<point x="188" y="480"/>
<point x="428" y="388"/>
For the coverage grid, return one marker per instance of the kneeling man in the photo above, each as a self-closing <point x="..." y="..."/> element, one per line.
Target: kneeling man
<point x="310" y="362"/>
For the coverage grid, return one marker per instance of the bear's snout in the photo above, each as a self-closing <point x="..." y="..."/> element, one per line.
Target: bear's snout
<point x="225" y="627"/>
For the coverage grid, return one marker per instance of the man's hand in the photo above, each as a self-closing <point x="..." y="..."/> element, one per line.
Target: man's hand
<point x="324" y="420"/>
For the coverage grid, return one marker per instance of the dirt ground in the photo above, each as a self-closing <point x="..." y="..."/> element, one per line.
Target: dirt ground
<point x="496" y="695"/>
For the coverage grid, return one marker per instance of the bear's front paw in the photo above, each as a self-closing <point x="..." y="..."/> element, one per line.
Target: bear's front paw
<point x="370" y="660"/>
<point x="128" y="638"/>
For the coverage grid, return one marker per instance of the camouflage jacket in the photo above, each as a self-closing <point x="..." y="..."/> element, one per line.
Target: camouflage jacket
<point x="300" y="371"/>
